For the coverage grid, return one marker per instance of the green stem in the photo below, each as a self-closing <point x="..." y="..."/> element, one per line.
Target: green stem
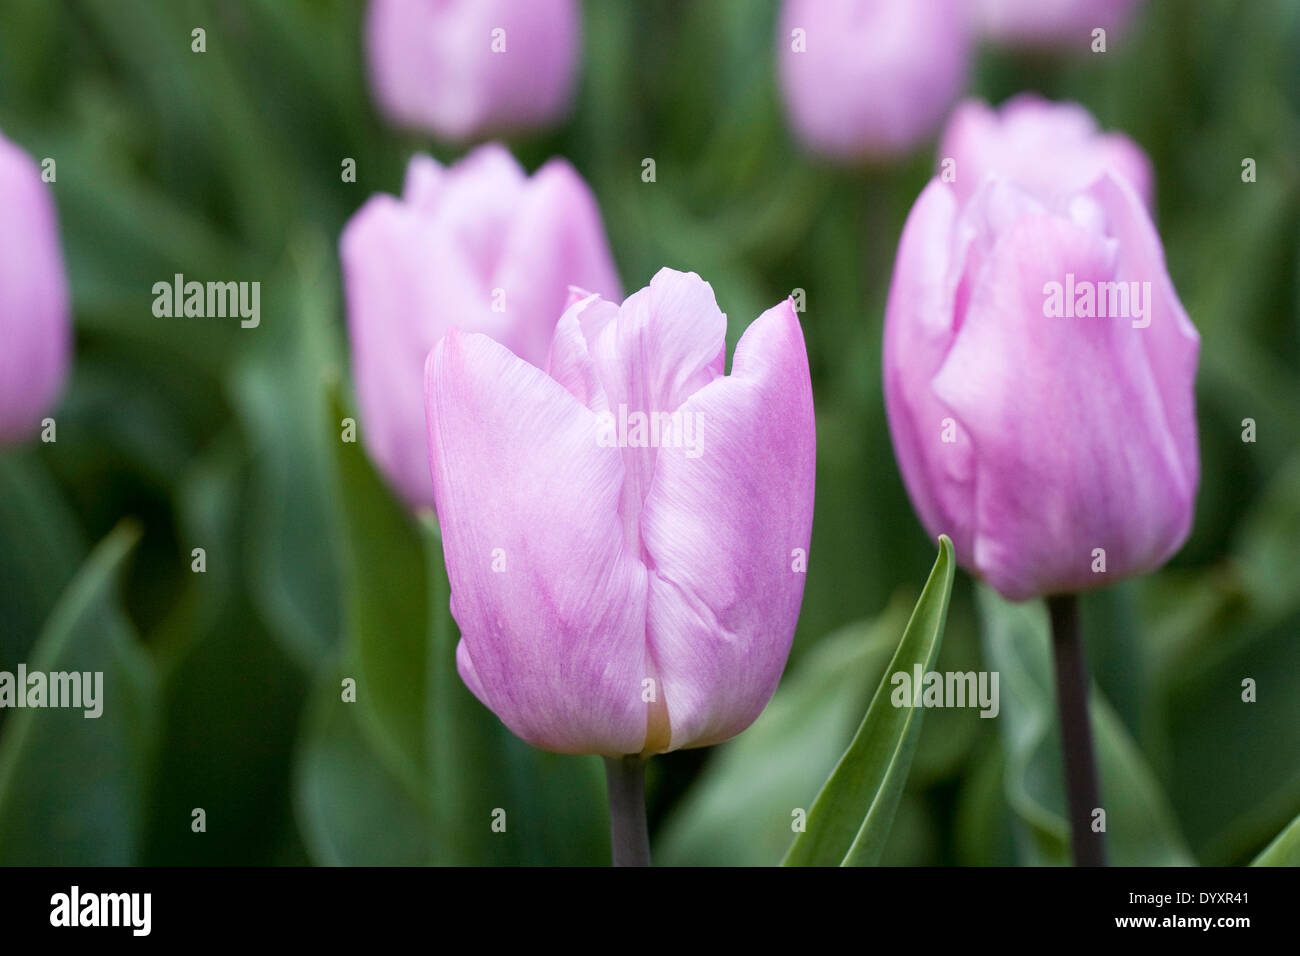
<point x="1082" y="793"/>
<point x="629" y="836"/>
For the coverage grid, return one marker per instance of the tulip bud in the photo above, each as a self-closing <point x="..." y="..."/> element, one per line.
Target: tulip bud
<point x="479" y="245"/>
<point x="870" y="78"/>
<point x="464" y="68"/>
<point x="626" y="532"/>
<point x="1050" y="22"/>
<point x="1038" y="371"/>
<point x="35" y="326"/>
<point x="1052" y="149"/>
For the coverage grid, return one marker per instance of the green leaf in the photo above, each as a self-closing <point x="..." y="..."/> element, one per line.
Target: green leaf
<point x="739" y="811"/>
<point x="1283" y="851"/>
<point x="1141" y="827"/>
<point x="280" y="392"/>
<point x="40" y="550"/>
<point x="386" y="607"/>
<point x="71" y="786"/>
<point x="1231" y="791"/>
<point x="352" y="809"/>
<point x="851" y="817"/>
<point x="230" y="699"/>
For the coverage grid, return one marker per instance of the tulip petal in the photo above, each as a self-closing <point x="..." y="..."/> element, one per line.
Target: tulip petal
<point x="554" y="640"/>
<point x="1172" y="343"/>
<point x="921" y="323"/>
<point x="1067" y="424"/>
<point x="668" y="342"/>
<point x="35" y="325"/>
<point x="385" y="250"/>
<point x="556" y="231"/>
<point x="720" y="527"/>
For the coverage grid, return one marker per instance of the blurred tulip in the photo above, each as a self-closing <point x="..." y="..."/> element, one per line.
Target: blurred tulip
<point x="1056" y="447"/>
<point x="461" y="69"/>
<point x="1051" y="149"/>
<point x="478" y="245"/>
<point x="870" y="78"/>
<point x="1050" y="22"/>
<point x="35" y="325"/>
<point x="626" y="533"/>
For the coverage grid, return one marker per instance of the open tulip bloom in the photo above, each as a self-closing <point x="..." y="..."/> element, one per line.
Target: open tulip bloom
<point x="625" y="529"/>
<point x="1038" y="371"/>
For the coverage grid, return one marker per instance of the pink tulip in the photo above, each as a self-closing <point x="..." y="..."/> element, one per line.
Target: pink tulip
<point x="624" y="587"/>
<point x="1052" y="149"/>
<point x="478" y="245"/>
<point x="1049" y="430"/>
<point x="35" y="325"/>
<point x="870" y="78"/>
<point x="464" y="68"/>
<point x="1050" y="22"/>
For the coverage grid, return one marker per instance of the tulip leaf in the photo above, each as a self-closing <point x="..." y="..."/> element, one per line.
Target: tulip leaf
<point x="71" y="785"/>
<point x="386" y="607"/>
<point x="230" y="697"/>
<point x="739" y="812"/>
<point x="42" y="550"/>
<point x="1141" y="827"/>
<point x="851" y="817"/>
<point x="1284" y="850"/>
<point x="353" y="810"/>
<point x="278" y="392"/>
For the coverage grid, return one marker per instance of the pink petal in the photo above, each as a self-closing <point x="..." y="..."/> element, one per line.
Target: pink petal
<point x="720" y="530"/>
<point x="1071" y="445"/>
<point x="555" y="643"/>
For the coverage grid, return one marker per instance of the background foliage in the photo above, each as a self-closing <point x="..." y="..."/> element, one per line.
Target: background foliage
<point x="182" y="433"/>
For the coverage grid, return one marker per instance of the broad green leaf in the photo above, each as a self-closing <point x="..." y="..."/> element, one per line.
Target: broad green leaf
<point x="386" y="605"/>
<point x="1284" y="850"/>
<point x="1141" y="827"/>
<point x="352" y="809"/>
<point x="982" y="821"/>
<point x="40" y="550"/>
<point x="850" y="819"/>
<point x="72" y="786"/>
<point x="740" y="809"/>
<point x="1225" y="773"/>
<point x="230" y="697"/>
<point x="280" y="390"/>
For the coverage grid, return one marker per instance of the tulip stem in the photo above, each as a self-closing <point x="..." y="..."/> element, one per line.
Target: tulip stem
<point x="629" y="836"/>
<point x="1082" y="793"/>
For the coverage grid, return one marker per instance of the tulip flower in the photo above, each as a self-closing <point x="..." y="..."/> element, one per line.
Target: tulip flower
<point x="1038" y="373"/>
<point x="464" y="68"/>
<point x="626" y="532"/>
<point x="1050" y="22"/>
<point x="1050" y="148"/>
<point x="35" y="325"/>
<point x="870" y="78"/>
<point x="479" y="245"/>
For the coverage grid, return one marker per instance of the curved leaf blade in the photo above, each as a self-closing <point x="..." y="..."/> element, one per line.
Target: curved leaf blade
<point x="1284" y="850"/>
<point x="850" y="819"/>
